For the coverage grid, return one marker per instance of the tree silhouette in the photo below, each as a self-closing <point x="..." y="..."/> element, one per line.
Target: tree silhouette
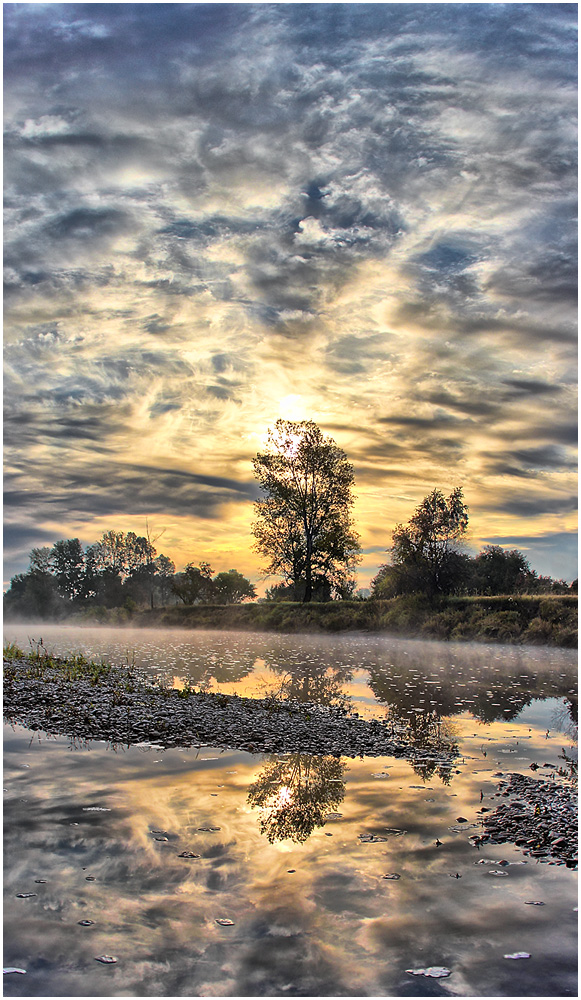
<point x="303" y="521"/>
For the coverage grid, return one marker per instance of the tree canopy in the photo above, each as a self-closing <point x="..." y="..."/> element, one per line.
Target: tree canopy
<point x="425" y="556"/>
<point x="303" y="522"/>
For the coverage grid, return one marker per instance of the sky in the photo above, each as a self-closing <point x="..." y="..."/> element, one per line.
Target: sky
<point x="222" y="214"/>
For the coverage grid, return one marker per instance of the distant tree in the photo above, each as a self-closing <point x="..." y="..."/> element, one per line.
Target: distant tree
<point x="164" y="574"/>
<point x="424" y="553"/>
<point x="139" y="553"/>
<point x="68" y="566"/>
<point x="113" y="552"/>
<point x="303" y="522"/>
<point x="194" y="585"/>
<point x="232" y="588"/>
<point x="500" y="571"/>
<point x="41" y="560"/>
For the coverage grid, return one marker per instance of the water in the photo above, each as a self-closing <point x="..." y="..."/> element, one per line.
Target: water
<point x="311" y="912"/>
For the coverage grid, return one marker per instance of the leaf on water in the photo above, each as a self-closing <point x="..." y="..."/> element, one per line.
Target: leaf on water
<point x="189" y="854"/>
<point x="380" y="774"/>
<point x="85" y="923"/>
<point x="162" y="839"/>
<point x="371" y="838"/>
<point x="499" y="874"/>
<point x="392" y="875"/>
<point x="157" y="831"/>
<point x="40" y="881"/>
<point x="208" y="829"/>
<point x="90" y="878"/>
<point x="25" y="895"/>
<point x="291" y="871"/>
<point x="533" y="902"/>
<point x="106" y="959"/>
<point x="432" y="972"/>
<point x="518" y="954"/>
<point x="225" y="922"/>
<point x="12" y="968"/>
<point x="96" y="809"/>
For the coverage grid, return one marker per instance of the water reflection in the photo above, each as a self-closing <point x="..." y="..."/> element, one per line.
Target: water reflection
<point x="295" y="793"/>
<point x="420" y="693"/>
<point x="310" y="678"/>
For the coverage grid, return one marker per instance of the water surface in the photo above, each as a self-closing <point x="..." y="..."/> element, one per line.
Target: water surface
<point x="284" y="842"/>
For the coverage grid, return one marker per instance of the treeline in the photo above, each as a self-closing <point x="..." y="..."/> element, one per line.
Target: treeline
<point x="427" y="559"/>
<point x="119" y="571"/>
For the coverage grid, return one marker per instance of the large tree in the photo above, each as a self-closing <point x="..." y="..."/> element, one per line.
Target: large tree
<point x="424" y="553"/>
<point x="303" y="522"/>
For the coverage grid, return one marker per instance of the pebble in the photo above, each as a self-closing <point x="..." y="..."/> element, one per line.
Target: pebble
<point x="541" y="819"/>
<point x="81" y="710"/>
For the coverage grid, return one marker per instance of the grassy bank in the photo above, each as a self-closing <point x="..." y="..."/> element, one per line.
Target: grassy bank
<point x="542" y="620"/>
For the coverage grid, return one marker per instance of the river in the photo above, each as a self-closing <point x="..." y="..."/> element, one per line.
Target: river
<point x="292" y="851"/>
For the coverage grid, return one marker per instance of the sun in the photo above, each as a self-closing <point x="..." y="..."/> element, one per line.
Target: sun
<point x="292" y="407"/>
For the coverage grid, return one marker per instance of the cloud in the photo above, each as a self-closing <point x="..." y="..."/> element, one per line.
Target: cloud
<point x="213" y="208"/>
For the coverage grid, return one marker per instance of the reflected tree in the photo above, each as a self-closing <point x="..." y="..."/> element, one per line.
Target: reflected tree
<point x="311" y="680"/>
<point x="295" y="794"/>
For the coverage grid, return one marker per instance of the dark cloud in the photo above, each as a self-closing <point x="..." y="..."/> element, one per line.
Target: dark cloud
<point x="113" y="489"/>
<point x="531" y="387"/>
<point x="536" y="506"/>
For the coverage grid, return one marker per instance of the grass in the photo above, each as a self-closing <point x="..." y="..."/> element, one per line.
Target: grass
<point x="535" y="619"/>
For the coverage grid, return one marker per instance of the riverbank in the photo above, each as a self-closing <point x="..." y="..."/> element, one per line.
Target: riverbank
<point x="539" y="620"/>
<point x="94" y="701"/>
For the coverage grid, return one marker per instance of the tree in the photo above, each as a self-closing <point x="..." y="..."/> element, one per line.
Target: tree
<point x="425" y="556"/>
<point x="194" y="585"/>
<point x="303" y="522"/>
<point x="68" y="565"/>
<point x="232" y="588"/>
<point x="164" y="574"/>
<point x="500" y="571"/>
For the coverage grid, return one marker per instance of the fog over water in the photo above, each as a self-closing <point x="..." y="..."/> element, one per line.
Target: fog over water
<point x="293" y="849"/>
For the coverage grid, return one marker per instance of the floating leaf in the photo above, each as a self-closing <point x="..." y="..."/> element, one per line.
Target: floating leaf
<point x="12" y="968"/>
<point x="371" y="838"/>
<point x="162" y="839"/>
<point x="533" y="902"/>
<point x="96" y="809"/>
<point x="25" y="895"/>
<point x="90" y="878"/>
<point x="106" y="959"/>
<point x="189" y="854"/>
<point x="208" y="829"/>
<point x="432" y="972"/>
<point x="499" y="874"/>
<point x="225" y="922"/>
<point x="40" y="881"/>
<point x="518" y="954"/>
<point x="393" y="876"/>
<point x="85" y="923"/>
<point x="291" y="871"/>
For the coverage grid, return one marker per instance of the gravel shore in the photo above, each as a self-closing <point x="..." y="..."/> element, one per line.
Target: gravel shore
<point x="123" y="708"/>
<point x="540" y="816"/>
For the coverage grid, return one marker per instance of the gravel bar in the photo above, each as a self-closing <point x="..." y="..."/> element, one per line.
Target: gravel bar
<point x="540" y="817"/>
<point x="124" y="707"/>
